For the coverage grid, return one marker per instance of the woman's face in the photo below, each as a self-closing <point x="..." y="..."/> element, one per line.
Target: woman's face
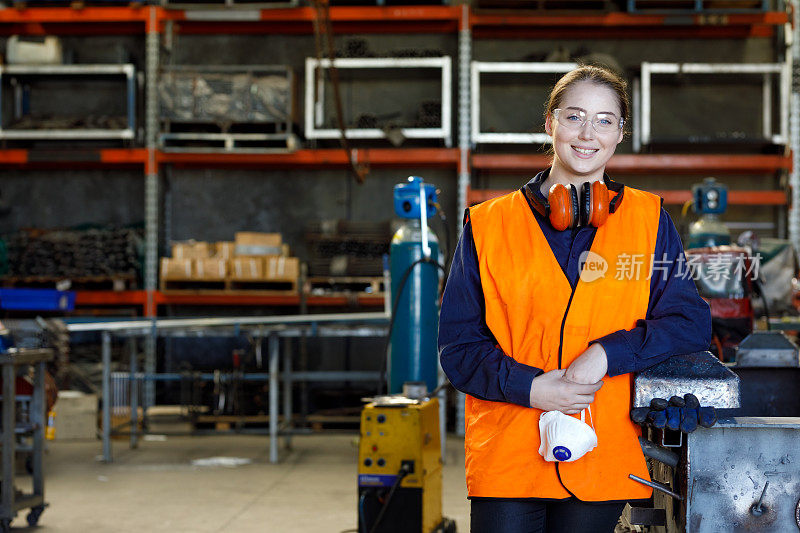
<point x="580" y="151"/>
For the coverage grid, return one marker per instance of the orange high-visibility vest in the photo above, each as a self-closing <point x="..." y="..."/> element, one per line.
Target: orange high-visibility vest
<point x="539" y="320"/>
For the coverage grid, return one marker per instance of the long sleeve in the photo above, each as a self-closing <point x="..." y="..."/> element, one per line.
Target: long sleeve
<point x="678" y="320"/>
<point x="468" y="351"/>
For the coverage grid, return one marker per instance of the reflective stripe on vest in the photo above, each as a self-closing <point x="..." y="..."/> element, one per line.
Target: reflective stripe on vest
<point x="539" y="320"/>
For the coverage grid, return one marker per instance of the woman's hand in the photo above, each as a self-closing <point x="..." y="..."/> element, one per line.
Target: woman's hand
<point x="551" y="392"/>
<point x="589" y="367"/>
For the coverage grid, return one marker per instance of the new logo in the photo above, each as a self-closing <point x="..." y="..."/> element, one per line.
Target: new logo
<point x="592" y="265"/>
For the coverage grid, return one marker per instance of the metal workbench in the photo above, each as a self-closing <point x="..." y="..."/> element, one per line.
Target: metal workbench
<point x="10" y="501"/>
<point x="260" y="328"/>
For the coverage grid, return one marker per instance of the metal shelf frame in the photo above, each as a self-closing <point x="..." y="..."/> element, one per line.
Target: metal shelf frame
<point x="486" y="67"/>
<point x="283" y="133"/>
<point x="404" y="19"/>
<point x="127" y="71"/>
<point x="315" y="96"/>
<point x="153" y="21"/>
<point x="643" y="135"/>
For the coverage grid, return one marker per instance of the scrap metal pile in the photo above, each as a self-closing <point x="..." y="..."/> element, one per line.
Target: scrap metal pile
<point x="346" y="248"/>
<point x="71" y="254"/>
<point x="224" y="98"/>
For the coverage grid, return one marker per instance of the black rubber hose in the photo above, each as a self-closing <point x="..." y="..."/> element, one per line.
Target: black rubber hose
<point x="400" y="475"/>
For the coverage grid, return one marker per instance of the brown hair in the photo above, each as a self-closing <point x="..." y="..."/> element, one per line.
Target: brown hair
<point x="594" y="74"/>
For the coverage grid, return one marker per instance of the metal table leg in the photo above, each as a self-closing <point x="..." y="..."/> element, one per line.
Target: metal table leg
<point x="460" y="399"/>
<point x="107" y="396"/>
<point x="259" y="341"/>
<point x="133" y="383"/>
<point x="287" y="391"/>
<point x="38" y="418"/>
<point x="274" y="354"/>
<point x="9" y="442"/>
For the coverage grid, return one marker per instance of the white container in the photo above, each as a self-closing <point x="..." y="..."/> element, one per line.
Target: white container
<point x="34" y="51"/>
<point x="75" y="415"/>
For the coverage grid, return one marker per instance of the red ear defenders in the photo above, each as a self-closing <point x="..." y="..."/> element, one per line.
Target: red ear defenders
<point x="567" y="207"/>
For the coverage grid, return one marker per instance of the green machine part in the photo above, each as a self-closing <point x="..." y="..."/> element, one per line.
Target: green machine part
<point x="400" y="440"/>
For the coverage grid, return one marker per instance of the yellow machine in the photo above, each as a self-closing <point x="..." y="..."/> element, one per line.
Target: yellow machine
<point x="400" y="468"/>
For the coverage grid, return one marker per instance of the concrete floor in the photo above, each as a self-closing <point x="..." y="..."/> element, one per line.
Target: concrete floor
<point x="156" y="487"/>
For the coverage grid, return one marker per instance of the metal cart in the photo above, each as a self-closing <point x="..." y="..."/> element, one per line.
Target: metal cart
<point x="28" y="429"/>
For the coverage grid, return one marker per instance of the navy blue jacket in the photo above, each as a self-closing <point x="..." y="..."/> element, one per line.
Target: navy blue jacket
<point x="678" y="321"/>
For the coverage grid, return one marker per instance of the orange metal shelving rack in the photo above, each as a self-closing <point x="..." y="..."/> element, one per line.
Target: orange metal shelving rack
<point x="138" y="19"/>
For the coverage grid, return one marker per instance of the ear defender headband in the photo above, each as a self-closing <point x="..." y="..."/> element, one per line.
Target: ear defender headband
<point x="566" y="207"/>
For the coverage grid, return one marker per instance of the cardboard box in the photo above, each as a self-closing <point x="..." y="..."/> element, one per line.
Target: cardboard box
<point x="75" y="415"/>
<point x="248" y="243"/>
<point x="121" y="414"/>
<point x="224" y="250"/>
<point x="246" y="268"/>
<point x="252" y="238"/>
<point x="177" y="269"/>
<point x="191" y="250"/>
<point x="283" y="268"/>
<point x="210" y="269"/>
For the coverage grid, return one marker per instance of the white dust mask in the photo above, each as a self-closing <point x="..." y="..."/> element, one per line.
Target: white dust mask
<point x="565" y="438"/>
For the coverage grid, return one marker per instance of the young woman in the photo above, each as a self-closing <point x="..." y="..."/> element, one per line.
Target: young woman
<point x="557" y="293"/>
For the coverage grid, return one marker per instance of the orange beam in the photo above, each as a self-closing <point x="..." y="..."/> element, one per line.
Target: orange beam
<point x="383" y="13"/>
<point x="645" y="163"/>
<point x="394" y="14"/>
<point x="329" y="157"/>
<point x="88" y="20"/>
<point x="345" y="19"/>
<point x="408" y="156"/>
<point x="400" y="157"/>
<point x="511" y="24"/>
<point x="123" y="156"/>
<point x="617" y="20"/>
<point x="671" y="197"/>
<point x="66" y="15"/>
<point x="734" y="197"/>
<point x="166" y="298"/>
<point x="337" y="14"/>
<point x="110" y="297"/>
<point x="375" y="19"/>
<point x="510" y="162"/>
<point x="697" y="163"/>
<point x="78" y="158"/>
<point x="13" y="157"/>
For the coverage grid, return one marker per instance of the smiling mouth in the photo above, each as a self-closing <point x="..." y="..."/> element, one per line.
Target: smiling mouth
<point x="585" y="151"/>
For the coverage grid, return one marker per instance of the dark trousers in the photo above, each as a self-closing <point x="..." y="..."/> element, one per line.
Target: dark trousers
<point x="537" y="516"/>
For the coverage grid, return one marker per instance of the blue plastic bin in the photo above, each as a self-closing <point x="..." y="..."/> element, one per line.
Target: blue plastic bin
<point x="37" y="300"/>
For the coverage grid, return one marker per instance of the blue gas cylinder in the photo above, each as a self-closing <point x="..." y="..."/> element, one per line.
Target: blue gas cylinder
<point x="708" y="231"/>
<point x="413" y="354"/>
<point x="710" y="199"/>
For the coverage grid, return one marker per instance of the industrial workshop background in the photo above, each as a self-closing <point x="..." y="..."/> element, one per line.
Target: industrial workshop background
<point x="169" y="125"/>
<point x="183" y="158"/>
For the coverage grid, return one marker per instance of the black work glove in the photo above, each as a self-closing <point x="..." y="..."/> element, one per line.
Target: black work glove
<point x="678" y="414"/>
